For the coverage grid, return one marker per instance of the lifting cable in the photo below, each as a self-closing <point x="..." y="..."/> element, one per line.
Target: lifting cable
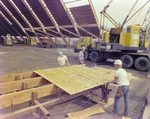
<point x="137" y="11"/>
<point x="143" y="17"/>
<point x="137" y="16"/>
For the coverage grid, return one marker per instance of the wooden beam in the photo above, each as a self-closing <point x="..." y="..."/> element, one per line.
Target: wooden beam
<point x="25" y="95"/>
<point x="44" y="33"/>
<point x="55" y="32"/>
<point x="51" y="18"/>
<point x="7" y="29"/>
<point x="40" y="34"/>
<point x="21" y="84"/>
<point x="37" y="19"/>
<point x="45" y="104"/>
<point x="94" y="13"/>
<point x="68" y="31"/>
<point x="12" y="16"/>
<point x="17" y="76"/>
<point x="74" y="25"/>
<point x="44" y="111"/>
<point x="23" y="17"/>
<point x="88" y="32"/>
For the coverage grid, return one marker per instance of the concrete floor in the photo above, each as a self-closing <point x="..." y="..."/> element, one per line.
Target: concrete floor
<point x="23" y="58"/>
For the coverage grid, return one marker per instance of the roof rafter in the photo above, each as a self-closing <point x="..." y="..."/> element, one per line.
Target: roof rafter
<point x="12" y="16"/>
<point x="68" y="31"/>
<point x="37" y="19"/>
<point x="87" y="32"/>
<point x="23" y="17"/>
<point x="55" y="32"/>
<point x="74" y="25"/>
<point x="52" y="19"/>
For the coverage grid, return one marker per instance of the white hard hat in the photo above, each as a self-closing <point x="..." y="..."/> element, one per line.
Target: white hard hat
<point x="118" y="62"/>
<point x="83" y="48"/>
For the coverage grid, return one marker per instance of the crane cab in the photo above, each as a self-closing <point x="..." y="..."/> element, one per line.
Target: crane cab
<point x="135" y="36"/>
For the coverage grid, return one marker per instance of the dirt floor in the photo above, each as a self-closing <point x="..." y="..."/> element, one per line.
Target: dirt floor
<point x="23" y="58"/>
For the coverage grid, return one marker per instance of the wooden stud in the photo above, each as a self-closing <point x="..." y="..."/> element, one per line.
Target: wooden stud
<point x="11" y="106"/>
<point x="59" y="92"/>
<point x="24" y="86"/>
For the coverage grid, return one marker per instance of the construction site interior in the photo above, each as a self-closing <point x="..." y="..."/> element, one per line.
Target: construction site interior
<point x="34" y="86"/>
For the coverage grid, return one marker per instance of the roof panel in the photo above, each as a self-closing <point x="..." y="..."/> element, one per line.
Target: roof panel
<point x="58" y="12"/>
<point x="5" y="24"/>
<point x="53" y="33"/>
<point x="12" y="21"/>
<point x="16" y="15"/>
<point x="93" y="30"/>
<point x="39" y="11"/>
<point x="83" y="15"/>
<point x="26" y="13"/>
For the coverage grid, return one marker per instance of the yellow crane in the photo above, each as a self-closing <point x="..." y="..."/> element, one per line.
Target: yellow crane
<point x="118" y="44"/>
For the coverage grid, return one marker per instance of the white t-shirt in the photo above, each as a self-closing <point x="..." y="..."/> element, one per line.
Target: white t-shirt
<point x="81" y="55"/>
<point x="122" y="77"/>
<point x="62" y="60"/>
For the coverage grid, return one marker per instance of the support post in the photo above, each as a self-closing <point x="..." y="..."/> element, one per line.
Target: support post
<point x="34" y="96"/>
<point x="59" y="93"/>
<point x="11" y="107"/>
<point x="105" y="93"/>
<point x="24" y="86"/>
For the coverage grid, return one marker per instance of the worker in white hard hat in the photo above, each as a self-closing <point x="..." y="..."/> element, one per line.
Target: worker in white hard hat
<point x="81" y="56"/>
<point x="123" y="90"/>
<point x="62" y="59"/>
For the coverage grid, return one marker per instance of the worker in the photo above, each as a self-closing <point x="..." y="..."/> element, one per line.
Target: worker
<point x="62" y="59"/>
<point x="81" y="56"/>
<point x="123" y="90"/>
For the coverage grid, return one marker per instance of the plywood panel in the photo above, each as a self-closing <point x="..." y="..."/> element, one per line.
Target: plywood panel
<point x="75" y="79"/>
<point x="86" y="113"/>
<point x="68" y="81"/>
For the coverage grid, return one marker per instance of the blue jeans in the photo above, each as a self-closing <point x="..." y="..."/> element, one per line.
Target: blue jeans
<point x="125" y="90"/>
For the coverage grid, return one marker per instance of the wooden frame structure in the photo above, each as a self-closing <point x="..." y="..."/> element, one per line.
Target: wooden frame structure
<point x="30" y="86"/>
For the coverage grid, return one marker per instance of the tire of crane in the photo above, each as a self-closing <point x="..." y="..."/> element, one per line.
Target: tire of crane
<point x="101" y="59"/>
<point x="94" y="56"/>
<point x="86" y="55"/>
<point x="40" y="45"/>
<point x="127" y="61"/>
<point x="48" y="46"/>
<point x="142" y="63"/>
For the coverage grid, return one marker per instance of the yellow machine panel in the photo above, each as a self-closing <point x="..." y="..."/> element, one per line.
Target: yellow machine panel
<point x="106" y="37"/>
<point x="123" y="39"/>
<point x="86" y="42"/>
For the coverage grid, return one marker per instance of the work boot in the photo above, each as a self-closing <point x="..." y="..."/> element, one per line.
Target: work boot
<point x="111" y="112"/>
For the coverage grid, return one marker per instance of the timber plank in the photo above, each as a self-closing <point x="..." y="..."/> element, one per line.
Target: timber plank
<point x="25" y="95"/>
<point x="17" y="76"/>
<point x="17" y="85"/>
